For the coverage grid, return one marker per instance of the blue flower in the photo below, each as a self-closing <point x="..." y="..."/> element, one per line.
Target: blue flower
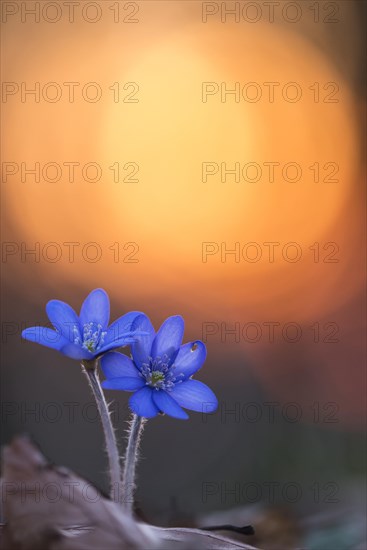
<point x="88" y="335"/>
<point x="160" y="371"/>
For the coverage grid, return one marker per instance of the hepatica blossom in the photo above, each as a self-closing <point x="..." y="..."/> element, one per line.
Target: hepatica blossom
<point x="87" y="335"/>
<point x="159" y="372"/>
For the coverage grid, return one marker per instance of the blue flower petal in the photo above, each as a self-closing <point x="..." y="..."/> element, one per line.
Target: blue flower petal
<point x="124" y="325"/>
<point x="141" y="349"/>
<point x="96" y="309"/>
<point x="169" y="338"/>
<point x="75" y="351"/>
<point x="117" y="343"/>
<point x="168" y="405"/>
<point x="127" y="383"/>
<point x="115" y="365"/>
<point x="195" y="396"/>
<point x="45" y="336"/>
<point x="190" y="358"/>
<point x="142" y="403"/>
<point x="63" y="318"/>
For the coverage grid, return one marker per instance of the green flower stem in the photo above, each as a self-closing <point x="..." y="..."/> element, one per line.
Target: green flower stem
<point x="90" y="370"/>
<point x="131" y="459"/>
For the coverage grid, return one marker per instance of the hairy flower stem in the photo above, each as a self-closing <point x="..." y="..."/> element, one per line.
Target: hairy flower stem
<point x="90" y="369"/>
<point x="131" y="459"/>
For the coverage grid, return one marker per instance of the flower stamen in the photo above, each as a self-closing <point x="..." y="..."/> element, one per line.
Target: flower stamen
<point x="93" y="336"/>
<point x="159" y="374"/>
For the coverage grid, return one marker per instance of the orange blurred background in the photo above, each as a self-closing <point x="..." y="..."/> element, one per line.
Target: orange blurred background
<point x="169" y="211"/>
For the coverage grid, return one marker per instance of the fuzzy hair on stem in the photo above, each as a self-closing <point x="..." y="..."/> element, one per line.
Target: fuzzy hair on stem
<point x="135" y="430"/>
<point x="90" y="370"/>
